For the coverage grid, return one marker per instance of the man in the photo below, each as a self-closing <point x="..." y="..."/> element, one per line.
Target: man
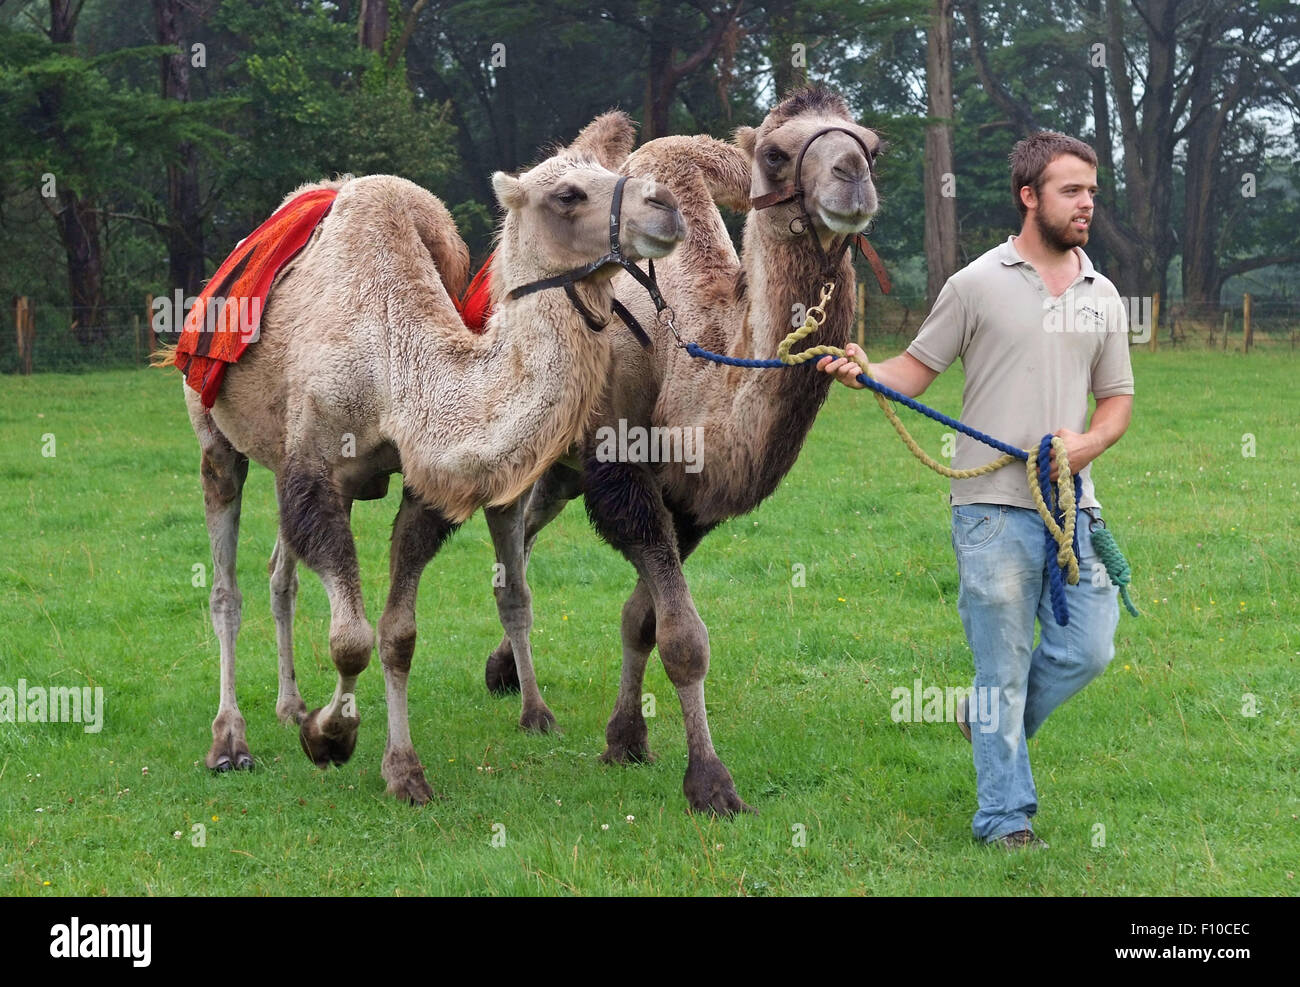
<point x="1036" y="328"/>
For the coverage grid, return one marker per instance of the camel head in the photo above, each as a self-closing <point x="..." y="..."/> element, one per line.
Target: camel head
<point x="558" y="212"/>
<point x="839" y="191"/>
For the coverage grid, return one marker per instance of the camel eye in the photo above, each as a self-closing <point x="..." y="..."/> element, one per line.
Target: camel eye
<point x="568" y="196"/>
<point x="775" y="157"/>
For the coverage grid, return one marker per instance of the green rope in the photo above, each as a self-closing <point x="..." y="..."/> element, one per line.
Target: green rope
<point x="1117" y="566"/>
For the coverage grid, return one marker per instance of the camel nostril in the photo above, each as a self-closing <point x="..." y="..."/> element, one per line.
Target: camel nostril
<point x="845" y="175"/>
<point x="660" y="204"/>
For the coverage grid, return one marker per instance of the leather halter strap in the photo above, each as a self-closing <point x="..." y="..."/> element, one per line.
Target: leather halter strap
<point x="569" y="279"/>
<point x="795" y="192"/>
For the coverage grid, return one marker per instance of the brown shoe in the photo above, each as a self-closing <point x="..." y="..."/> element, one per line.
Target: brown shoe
<point x="1022" y="839"/>
<point x="963" y="718"/>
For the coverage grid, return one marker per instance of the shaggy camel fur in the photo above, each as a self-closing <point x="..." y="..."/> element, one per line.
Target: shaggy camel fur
<point x="754" y="422"/>
<point x="364" y="369"/>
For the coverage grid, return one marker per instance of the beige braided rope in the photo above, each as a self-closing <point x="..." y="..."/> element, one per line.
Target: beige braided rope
<point x="1063" y="535"/>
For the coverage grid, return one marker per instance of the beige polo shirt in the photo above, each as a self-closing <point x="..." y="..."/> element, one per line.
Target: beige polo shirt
<point x="1030" y="361"/>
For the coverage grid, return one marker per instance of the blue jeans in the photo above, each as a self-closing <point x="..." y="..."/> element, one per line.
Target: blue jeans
<point x="1002" y="563"/>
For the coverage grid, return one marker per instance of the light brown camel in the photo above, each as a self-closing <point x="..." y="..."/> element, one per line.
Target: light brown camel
<point x="754" y="422"/>
<point x="364" y="368"/>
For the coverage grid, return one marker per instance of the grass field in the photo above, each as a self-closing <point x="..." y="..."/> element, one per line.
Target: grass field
<point x="99" y="542"/>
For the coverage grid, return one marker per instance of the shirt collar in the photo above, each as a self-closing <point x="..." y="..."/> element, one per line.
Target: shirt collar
<point x="1010" y="257"/>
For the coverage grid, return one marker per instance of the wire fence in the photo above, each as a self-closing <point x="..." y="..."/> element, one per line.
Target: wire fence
<point x="41" y="338"/>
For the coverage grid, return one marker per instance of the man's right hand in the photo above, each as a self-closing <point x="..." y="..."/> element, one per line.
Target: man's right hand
<point x="844" y="368"/>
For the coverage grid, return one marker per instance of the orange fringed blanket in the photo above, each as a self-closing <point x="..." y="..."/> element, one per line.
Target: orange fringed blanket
<point x="227" y="315"/>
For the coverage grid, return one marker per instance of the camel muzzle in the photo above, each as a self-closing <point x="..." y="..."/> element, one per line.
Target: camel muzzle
<point x="796" y="193"/>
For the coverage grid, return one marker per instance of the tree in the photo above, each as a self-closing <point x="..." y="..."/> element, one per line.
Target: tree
<point x="186" y="264"/>
<point x="940" y="195"/>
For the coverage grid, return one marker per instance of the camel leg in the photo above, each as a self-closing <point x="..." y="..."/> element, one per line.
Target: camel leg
<point x="515" y="610"/>
<point x="283" y="568"/>
<point x="546" y="500"/>
<point x="223" y="471"/>
<point x="315" y="526"/>
<point x="625" y="504"/>
<point x="626" y="735"/>
<point x="418" y="533"/>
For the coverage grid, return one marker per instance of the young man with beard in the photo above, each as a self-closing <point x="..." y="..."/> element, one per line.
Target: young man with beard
<point x="1037" y="329"/>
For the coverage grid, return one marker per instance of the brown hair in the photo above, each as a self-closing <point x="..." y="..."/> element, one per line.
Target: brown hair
<point x="1031" y="156"/>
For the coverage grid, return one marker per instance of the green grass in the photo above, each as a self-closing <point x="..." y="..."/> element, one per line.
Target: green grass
<point x="99" y="542"/>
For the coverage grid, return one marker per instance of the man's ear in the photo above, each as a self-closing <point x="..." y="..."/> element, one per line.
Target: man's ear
<point x="745" y="138"/>
<point x="510" y="191"/>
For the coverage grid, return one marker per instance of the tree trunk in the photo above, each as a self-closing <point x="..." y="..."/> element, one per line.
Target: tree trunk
<point x="372" y="25"/>
<point x="660" y="83"/>
<point x="940" y="202"/>
<point x="1148" y="143"/>
<point x="78" y="222"/>
<point x="1101" y="141"/>
<point x="184" y="215"/>
<point x="77" y="218"/>
<point x="781" y="36"/>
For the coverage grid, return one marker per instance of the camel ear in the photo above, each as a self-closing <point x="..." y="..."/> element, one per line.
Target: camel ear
<point x="608" y="139"/>
<point x="745" y="138"/>
<point x="510" y="191"/>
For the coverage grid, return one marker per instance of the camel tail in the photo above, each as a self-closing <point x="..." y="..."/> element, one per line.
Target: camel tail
<point x="164" y="356"/>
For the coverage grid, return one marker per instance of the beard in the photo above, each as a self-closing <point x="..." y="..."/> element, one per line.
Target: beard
<point x="1060" y="238"/>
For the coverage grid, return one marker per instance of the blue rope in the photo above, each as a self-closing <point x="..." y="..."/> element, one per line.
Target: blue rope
<point x="694" y="349"/>
<point x="1060" y="609"/>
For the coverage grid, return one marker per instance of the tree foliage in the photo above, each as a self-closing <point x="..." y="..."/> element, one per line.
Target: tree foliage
<point x="1190" y="98"/>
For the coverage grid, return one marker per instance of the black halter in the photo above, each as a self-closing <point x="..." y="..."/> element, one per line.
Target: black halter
<point x="794" y="192"/>
<point x="568" y="279"/>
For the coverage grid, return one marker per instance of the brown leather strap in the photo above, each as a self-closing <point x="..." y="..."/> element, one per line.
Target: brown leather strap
<point x="782" y="195"/>
<point x="873" y="258"/>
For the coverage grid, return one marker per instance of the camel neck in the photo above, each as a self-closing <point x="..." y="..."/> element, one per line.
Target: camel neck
<point x="783" y="280"/>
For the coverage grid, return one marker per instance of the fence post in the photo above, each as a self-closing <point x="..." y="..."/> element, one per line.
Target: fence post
<point x="1247" y="333"/>
<point x="148" y="318"/>
<point x="25" y="324"/>
<point x="1155" y="321"/>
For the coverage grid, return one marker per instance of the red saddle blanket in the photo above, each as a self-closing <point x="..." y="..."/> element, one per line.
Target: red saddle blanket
<point x="476" y="307"/>
<point x="228" y="313"/>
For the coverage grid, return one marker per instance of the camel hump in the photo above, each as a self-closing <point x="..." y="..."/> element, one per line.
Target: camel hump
<point x="393" y="205"/>
<point x="684" y="163"/>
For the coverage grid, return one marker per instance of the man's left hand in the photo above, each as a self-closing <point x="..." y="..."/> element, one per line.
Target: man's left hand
<point x="1081" y="450"/>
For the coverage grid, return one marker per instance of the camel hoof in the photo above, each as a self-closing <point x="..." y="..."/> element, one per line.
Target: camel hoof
<point x="226" y="762"/>
<point x="637" y="753"/>
<point x="324" y="749"/>
<point x="501" y="675"/>
<point x="229" y="751"/>
<point x="709" y="788"/>
<point x="537" y="720"/>
<point x="627" y="740"/>
<point x="289" y="711"/>
<point x="405" y="776"/>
